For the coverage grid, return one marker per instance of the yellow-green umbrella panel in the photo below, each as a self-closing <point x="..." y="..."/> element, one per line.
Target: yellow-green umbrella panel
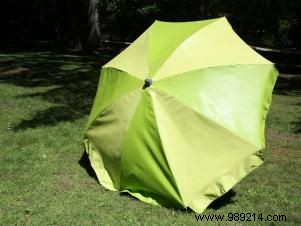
<point x="196" y="130"/>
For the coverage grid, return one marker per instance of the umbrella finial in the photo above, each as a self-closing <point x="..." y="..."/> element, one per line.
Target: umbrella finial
<point x="147" y="83"/>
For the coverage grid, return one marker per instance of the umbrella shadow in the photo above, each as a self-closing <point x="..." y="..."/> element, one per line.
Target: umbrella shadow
<point x="289" y="85"/>
<point x="297" y="123"/>
<point x="224" y="200"/>
<point x="84" y="162"/>
<point x="220" y="202"/>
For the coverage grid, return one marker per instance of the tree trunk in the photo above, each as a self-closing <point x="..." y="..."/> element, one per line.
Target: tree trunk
<point x="74" y="25"/>
<point x="93" y="39"/>
<point x="204" y="9"/>
<point x="83" y="27"/>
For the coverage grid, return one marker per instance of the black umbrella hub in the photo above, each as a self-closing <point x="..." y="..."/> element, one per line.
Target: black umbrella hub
<point x="147" y="83"/>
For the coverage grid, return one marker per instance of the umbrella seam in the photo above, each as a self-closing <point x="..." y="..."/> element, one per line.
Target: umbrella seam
<point x="164" y="148"/>
<point x="110" y="105"/>
<point x="217" y="180"/>
<point x="184" y="41"/>
<point x="206" y="27"/>
<point x="98" y="114"/>
<point x="216" y="66"/>
<point x="229" y="131"/>
<point x="214" y="21"/>
<point x="122" y="143"/>
<point x="118" y="69"/>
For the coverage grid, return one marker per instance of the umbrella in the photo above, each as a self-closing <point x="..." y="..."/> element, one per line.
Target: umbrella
<point x="179" y="115"/>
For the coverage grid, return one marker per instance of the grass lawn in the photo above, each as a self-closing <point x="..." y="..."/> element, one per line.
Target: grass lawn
<point x="45" y="179"/>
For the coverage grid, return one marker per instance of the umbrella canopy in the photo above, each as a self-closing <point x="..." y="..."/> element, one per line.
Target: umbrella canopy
<point x="179" y="115"/>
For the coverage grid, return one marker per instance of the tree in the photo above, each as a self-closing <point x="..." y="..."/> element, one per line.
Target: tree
<point x="271" y="23"/>
<point x="83" y="25"/>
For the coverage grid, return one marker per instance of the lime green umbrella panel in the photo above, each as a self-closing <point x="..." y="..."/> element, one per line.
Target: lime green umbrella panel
<point x="179" y="115"/>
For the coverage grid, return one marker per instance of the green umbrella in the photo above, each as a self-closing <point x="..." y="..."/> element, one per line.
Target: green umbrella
<point x="179" y="115"/>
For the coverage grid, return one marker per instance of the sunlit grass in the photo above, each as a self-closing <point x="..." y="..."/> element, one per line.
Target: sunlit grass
<point x="45" y="99"/>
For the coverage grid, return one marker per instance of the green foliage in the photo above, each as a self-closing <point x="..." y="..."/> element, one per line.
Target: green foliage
<point x="271" y="23"/>
<point x="126" y="19"/>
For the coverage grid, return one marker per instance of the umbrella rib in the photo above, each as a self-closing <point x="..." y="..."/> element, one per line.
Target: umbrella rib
<point x="105" y="107"/>
<point x="181" y="43"/>
<point x="110" y="105"/>
<point x="124" y="71"/>
<point x="185" y="40"/>
<point x="178" y="52"/>
<point x="164" y="147"/>
<point x="212" y="67"/>
<point x="158" y="90"/>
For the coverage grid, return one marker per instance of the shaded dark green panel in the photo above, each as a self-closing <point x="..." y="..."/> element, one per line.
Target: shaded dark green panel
<point x="113" y="84"/>
<point x="105" y="137"/>
<point x="144" y="168"/>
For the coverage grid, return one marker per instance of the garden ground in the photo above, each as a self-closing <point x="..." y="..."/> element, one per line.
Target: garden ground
<point x="45" y="178"/>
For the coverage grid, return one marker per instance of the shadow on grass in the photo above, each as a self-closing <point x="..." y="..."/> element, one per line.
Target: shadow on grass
<point x="290" y="85"/>
<point x="67" y="81"/>
<point x="222" y="201"/>
<point x="84" y="162"/>
<point x="297" y="124"/>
